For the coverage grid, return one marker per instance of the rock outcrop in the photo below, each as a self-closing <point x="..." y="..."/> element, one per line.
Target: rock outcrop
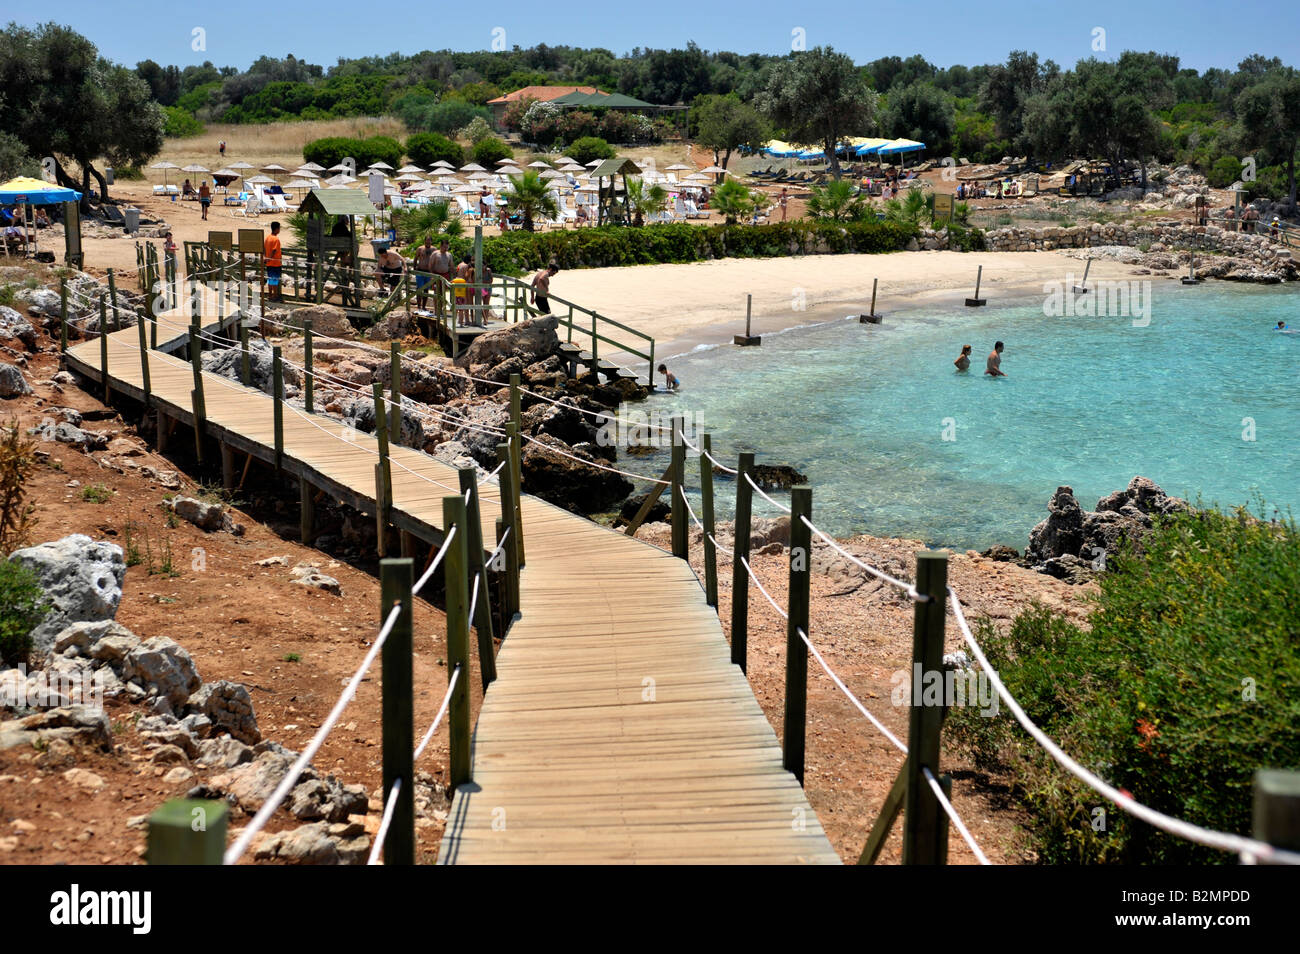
<point x="82" y="581"/>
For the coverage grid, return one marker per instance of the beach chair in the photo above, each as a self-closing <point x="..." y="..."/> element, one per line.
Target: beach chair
<point x="466" y="208"/>
<point x="159" y="190"/>
<point x="251" y="207"/>
<point x="280" y="202"/>
<point x="568" y="215"/>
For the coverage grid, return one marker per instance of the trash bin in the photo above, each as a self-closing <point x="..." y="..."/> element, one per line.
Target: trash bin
<point x="380" y="245"/>
<point x="132" y="216"/>
<point x="108" y="175"/>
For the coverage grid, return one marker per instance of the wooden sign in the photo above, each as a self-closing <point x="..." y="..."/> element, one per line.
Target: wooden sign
<point x="222" y="241"/>
<point x="250" y="241"/>
<point x="942" y="207"/>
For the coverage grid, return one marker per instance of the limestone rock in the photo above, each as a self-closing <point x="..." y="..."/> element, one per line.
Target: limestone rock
<point x="12" y="382"/>
<point x="205" y="516"/>
<point x="223" y="752"/>
<point x="325" y="320"/>
<point x="82" y="581"/>
<point x="159" y="665"/>
<point x="567" y="478"/>
<point x="230" y="709"/>
<point x="532" y="341"/>
<point x="86" y="725"/>
<point x="314" y="578"/>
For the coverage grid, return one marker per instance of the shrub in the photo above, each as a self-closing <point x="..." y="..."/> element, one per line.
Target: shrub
<point x="477" y="130"/>
<point x="332" y="150"/>
<point x="22" y="607"/>
<point x="179" y="123"/>
<point x="1185" y="681"/>
<point x="17" y="458"/>
<point x="1225" y="171"/>
<point x="424" y="149"/>
<point x="488" y="152"/>
<point x="583" y="150"/>
<point x="96" y="493"/>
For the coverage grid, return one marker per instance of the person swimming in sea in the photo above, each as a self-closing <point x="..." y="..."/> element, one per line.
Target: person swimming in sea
<point x="1281" y="326"/>
<point x="994" y="366"/>
<point x="963" y="360"/>
<point x="670" y="380"/>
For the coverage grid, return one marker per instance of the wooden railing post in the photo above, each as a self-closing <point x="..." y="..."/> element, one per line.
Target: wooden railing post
<point x="186" y="831"/>
<point x="922" y="815"/>
<point x="1276" y="811"/>
<point x="381" y="436"/>
<point x="381" y="512"/>
<point x="63" y="315"/>
<point x="504" y="563"/>
<point x="706" y="502"/>
<point x="309" y="374"/>
<point x="197" y="403"/>
<point x="155" y="291"/>
<point x="681" y="530"/>
<point x="245" y="358"/>
<point x="739" y="576"/>
<point x="144" y="362"/>
<point x="453" y="515"/>
<point x="396" y="577"/>
<point x="277" y="399"/>
<point x="482" y="620"/>
<point x="395" y="389"/>
<point x="509" y="515"/>
<point x="112" y="301"/>
<point x="103" y="348"/>
<point x="793" y="736"/>
<point x="517" y="461"/>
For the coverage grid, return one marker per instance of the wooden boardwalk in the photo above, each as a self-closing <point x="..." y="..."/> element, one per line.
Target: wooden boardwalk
<point x="618" y="730"/>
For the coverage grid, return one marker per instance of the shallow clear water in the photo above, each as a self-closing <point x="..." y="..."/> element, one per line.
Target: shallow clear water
<point x="1089" y="402"/>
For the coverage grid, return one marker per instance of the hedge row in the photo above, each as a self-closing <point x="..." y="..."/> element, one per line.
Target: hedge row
<point x="603" y="246"/>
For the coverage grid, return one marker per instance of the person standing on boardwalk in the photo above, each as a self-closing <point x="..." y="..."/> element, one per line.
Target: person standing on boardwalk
<point x="994" y="366"/>
<point x="542" y="288"/>
<point x="423" y="272"/>
<point x="272" y="260"/>
<point x="205" y="198"/>
<point x="440" y="265"/>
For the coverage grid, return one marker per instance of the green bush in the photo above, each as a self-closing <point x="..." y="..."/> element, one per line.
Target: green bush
<point x="680" y="242"/>
<point x="331" y="150"/>
<point x="1225" y="171"/>
<point x="129" y="173"/>
<point x="424" y="149"/>
<point x="477" y="130"/>
<point x="22" y="607"/>
<point x="179" y="123"/>
<point x="583" y="150"/>
<point x="1185" y="681"/>
<point x="488" y="152"/>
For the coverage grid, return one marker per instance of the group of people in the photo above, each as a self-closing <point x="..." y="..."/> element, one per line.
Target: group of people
<point x="992" y="366"/>
<point x="983" y="190"/>
<point x="1249" y="222"/>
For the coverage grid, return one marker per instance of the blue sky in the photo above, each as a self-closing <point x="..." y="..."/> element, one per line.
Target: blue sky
<point x="1202" y="33"/>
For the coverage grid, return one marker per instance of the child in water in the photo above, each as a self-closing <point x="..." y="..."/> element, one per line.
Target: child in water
<point x="963" y="360"/>
<point x="670" y="380"/>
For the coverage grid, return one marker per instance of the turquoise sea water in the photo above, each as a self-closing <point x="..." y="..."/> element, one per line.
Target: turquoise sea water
<point x="1089" y="402"/>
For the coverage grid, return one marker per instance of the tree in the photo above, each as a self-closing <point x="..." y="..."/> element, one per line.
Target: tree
<point x="643" y="200"/>
<point x="424" y="149"/>
<point x="584" y="150"/>
<point x="724" y="123"/>
<point x="530" y="196"/>
<point x="922" y="112"/>
<point x="733" y="200"/>
<point x="1269" y="114"/>
<point x="488" y="152"/>
<point x="837" y="202"/>
<point x="433" y="219"/>
<point x="819" y="96"/>
<point x="1008" y="86"/>
<point x="14" y="159"/>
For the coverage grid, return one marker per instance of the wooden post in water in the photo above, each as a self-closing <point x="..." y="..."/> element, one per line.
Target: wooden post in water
<point x="482" y="621"/>
<point x="977" y="301"/>
<point x="197" y="403"/>
<point x="103" y="348"/>
<point x="922" y="814"/>
<point x="453" y="515"/>
<point x="871" y="318"/>
<point x="706" y="502"/>
<point x="395" y="391"/>
<point x="517" y="462"/>
<point x="747" y="338"/>
<point x="739" y="576"/>
<point x="796" y="651"/>
<point x="277" y="398"/>
<point x="680" y="521"/>
<point x="396" y="578"/>
<point x="63" y="316"/>
<point x="510" y="516"/>
<point x="1083" y="289"/>
<point x="309" y="375"/>
<point x="1276" y="813"/>
<point x="187" y="831"/>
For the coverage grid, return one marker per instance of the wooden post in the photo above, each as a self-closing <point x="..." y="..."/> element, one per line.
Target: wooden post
<point x="306" y="511"/>
<point x="453" y="515"/>
<point x="796" y="652"/>
<point x="871" y="318"/>
<point x="922" y="814"/>
<point x="103" y="348"/>
<point x="197" y="404"/>
<point x="746" y="338"/>
<point x="482" y="620"/>
<point x="381" y="436"/>
<point x="187" y="831"/>
<point x="63" y="315"/>
<point x="144" y="363"/>
<point x="395" y="390"/>
<point x="155" y="289"/>
<point x="309" y="375"/>
<point x="381" y="512"/>
<point x="396" y="577"/>
<point x="680" y="520"/>
<point x="510" y="514"/>
<point x="277" y="399"/>
<point x="1276" y="813"/>
<point x="977" y="301"/>
<point x="509" y="597"/>
<point x="739" y="576"/>
<point x="227" y="466"/>
<point x="706" y="497"/>
<point x="112" y="300"/>
<point x="245" y="359"/>
<point x="517" y="459"/>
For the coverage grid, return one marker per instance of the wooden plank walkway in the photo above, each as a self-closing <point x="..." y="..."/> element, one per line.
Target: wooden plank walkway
<point x="618" y="730"/>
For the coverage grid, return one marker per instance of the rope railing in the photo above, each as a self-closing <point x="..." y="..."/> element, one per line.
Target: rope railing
<point x="612" y="470"/>
<point x="433" y="566"/>
<point x="908" y="588"/>
<point x="775" y="503"/>
<point x="382" y="834"/>
<point x="442" y="711"/>
<point x="951" y="812"/>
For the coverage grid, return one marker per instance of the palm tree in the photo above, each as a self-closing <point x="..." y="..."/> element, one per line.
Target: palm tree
<point x="530" y="196"/>
<point x="733" y="200"/>
<point x="434" y="219"/>
<point x="908" y="211"/>
<point x="836" y="201"/>
<point x="643" y="200"/>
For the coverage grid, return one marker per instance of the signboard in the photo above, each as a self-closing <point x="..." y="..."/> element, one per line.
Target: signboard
<point x="250" y="241"/>
<point x="72" y="234"/>
<point x="222" y="241"/>
<point x="376" y="192"/>
<point x="942" y="207"/>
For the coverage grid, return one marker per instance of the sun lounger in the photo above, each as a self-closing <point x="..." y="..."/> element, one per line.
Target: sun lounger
<point x="280" y="202"/>
<point x="251" y="206"/>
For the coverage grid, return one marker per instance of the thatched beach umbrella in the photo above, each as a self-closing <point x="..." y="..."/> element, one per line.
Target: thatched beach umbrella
<point x="165" y="167"/>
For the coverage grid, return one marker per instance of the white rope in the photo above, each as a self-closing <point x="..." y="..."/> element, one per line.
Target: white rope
<point x="908" y="588"/>
<point x="761" y="493"/>
<point x="725" y="550"/>
<point x="758" y="583"/>
<point x="387" y="820"/>
<point x="612" y="470"/>
<point x="1174" y="826"/>
<point x="442" y="710"/>
<point x="500" y="546"/>
<point x="852" y="698"/>
<point x="236" y="851"/>
<point x="473" y="601"/>
<point x="681" y="492"/>
<point x="436" y="560"/>
<point x="952" y="814"/>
